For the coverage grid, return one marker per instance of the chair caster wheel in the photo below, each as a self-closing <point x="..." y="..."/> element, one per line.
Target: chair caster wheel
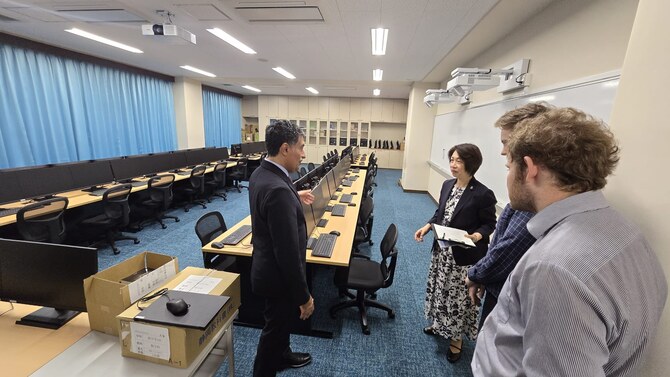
<point x="164" y="226"/>
<point x="371" y="243"/>
<point x="176" y="220"/>
<point x="392" y="315"/>
<point x="366" y="331"/>
<point x="136" y="242"/>
<point x="185" y="209"/>
<point x="116" y="251"/>
<point x="140" y="228"/>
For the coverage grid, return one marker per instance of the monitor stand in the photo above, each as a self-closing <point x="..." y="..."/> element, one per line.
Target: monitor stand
<point x="48" y="318"/>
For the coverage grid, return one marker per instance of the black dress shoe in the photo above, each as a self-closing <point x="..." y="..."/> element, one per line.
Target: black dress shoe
<point x="295" y="360"/>
<point x="429" y="330"/>
<point x="453" y="357"/>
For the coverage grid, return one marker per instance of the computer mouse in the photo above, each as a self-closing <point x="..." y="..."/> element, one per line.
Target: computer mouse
<point x="352" y="204"/>
<point x="217" y="245"/>
<point x="178" y="307"/>
<point x="354" y="193"/>
<point x="335" y="232"/>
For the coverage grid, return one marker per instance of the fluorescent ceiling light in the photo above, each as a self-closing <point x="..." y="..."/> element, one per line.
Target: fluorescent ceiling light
<point x="104" y="40"/>
<point x="546" y="98"/>
<point x="249" y="87"/>
<point x="379" y="38"/>
<point x="283" y="72"/>
<point x="376" y="92"/>
<point x="196" y="70"/>
<point x="377" y="74"/>
<point x="231" y="40"/>
<point x="312" y="90"/>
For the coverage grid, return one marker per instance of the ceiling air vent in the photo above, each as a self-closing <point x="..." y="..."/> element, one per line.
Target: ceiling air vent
<point x="279" y="13"/>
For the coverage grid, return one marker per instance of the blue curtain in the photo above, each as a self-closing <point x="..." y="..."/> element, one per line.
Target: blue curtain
<point x="55" y="109"/>
<point x="223" y="119"/>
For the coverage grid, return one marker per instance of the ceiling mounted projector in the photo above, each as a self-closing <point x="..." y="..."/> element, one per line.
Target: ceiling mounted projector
<point x="169" y="33"/>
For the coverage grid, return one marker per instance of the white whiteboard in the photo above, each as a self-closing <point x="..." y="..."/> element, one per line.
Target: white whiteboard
<point x="475" y="125"/>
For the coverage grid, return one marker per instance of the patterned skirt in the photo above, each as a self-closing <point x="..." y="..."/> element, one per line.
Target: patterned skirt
<point x="447" y="303"/>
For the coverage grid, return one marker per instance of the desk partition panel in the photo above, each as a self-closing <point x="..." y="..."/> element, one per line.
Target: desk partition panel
<point x="10" y="190"/>
<point x="87" y="174"/>
<point x="37" y="182"/>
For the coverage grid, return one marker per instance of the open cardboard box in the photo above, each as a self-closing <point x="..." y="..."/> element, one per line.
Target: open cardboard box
<point x="174" y="345"/>
<point x="107" y="296"/>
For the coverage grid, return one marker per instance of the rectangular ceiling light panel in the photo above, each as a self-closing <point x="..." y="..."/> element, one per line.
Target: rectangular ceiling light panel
<point x="280" y="13"/>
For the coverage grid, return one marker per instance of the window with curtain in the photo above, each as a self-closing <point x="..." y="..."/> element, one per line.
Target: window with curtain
<point x="55" y="109"/>
<point x="222" y="117"/>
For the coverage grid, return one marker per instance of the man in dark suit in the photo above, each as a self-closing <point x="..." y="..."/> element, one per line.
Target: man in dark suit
<point x="279" y="240"/>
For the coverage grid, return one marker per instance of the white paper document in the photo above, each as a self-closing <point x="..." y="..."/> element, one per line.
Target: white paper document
<point x="198" y="284"/>
<point x="453" y="235"/>
<point x="150" y="281"/>
<point x="150" y="340"/>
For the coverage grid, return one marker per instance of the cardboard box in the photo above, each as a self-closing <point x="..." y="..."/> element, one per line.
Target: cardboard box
<point x="173" y="345"/>
<point x="106" y="296"/>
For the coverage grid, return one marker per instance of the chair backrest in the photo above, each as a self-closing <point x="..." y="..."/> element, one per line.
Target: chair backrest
<point x="303" y="171"/>
<point x="241" y="168"/>
<point x="197" y="178"/>
<point x="310" y="166"/>
<point x="367" y="206"/>
<point x="388" y="250"/>
<point x="115" y="200"/>
<point x="43" y="221"/>
<point x="325" y="158"/>
<point x="207" y="228"/>
<point x="210" y="226"/>
<point x="160" y="189"/>
<point x="367" y="186"/>
<point x="219" y="173"/>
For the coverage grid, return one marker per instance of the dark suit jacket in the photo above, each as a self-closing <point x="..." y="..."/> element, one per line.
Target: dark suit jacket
<point x="279" y="236"/>
<point x="475" y="212"/>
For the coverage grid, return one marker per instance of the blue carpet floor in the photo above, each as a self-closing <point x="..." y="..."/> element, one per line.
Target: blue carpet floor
<point x="396" y="347"/>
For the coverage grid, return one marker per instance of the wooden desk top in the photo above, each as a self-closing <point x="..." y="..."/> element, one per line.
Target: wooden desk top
<point x="25" y="349"/>
<point x="345" y="225"/>
<point x="360" y="163"/>
<point x="78" y="198"/>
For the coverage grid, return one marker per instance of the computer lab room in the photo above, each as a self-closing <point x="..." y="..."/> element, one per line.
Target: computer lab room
<point x="132" y="133"/>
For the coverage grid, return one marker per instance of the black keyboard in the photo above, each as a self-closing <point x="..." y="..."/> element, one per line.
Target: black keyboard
<point x="324" y="246"/>
<point x="353" y="178"/>
<point x="346" y="183"/>
<point x="346" y="198"/>
<point x="339" y="210"/>
<point x="333" y="197"/>
<point x="9" y="211"/>
<point x="311" y="242"/>
<point x="357" y="170"/>
<point x="329" y="208"/>
<point x="338" y="189"/>
<point x="138" y="183"/>
<point x="238" y="235"/>
<point x="98" y="192"/>
<point x="322" y="222"/>
<point x="184" y="172"/>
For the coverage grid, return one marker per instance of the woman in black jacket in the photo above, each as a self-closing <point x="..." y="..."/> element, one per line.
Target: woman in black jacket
<point x="466" y="204"/>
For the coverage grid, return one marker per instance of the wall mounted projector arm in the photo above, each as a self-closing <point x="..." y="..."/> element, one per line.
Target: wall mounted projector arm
<point x="467" y="80"/>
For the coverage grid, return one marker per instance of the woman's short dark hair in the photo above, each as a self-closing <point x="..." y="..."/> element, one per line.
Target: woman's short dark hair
<point x="471" y="156"/>
<point x="280" y="132"/>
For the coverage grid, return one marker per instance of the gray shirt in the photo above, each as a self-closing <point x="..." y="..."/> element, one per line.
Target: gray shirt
<point x="584" y="300"/>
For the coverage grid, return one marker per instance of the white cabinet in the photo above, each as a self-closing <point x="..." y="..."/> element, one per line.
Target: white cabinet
<point x="395" y="159"/>
<point x="376" y="110"/>
<point x="399" y="114"/>
<point x="313" y="107"/>
<point x="298" y="107"/>
<point x="323" y="108"/>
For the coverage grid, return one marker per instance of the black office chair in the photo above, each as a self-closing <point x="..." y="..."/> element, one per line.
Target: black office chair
<point x="369" y="276"/>
<point x="115" y="216"/>
<point x="217" y="183"/>
<point x="195" y="188"/>
<point x="207" y="228"/>
<point x="364" y="224"/>
<point x="42" y="221"/>
<point x="302" y="171"/>
<point x="325" y="158"/>
<point x="367" y="186"/>
<point x="159" y="200"/>
<point x="239" y="173"/>
<point x="310" y="166"/>
<point x="372" y="169"/>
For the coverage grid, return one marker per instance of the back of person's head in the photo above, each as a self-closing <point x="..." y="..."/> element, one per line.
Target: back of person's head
<point x="278" y="133"/>
<point x="576" y="148"/>
<point x="511" y="118"/>
<point x="470" y="155"/>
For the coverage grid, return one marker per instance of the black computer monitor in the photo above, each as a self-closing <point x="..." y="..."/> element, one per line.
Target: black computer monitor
<point x="235" y="149"/>
<point x="48" y="275"/>
<point x="321" y="199"/>
<point x="10" y="189"/>
<point x="309" y="218"/>
<point x="43" y="182"/>
<point x="91" y="174"/>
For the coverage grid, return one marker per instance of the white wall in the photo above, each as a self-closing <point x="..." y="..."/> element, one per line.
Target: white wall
<point x="188" y="113"/>
<point x="639" y="187"/>
<point x="420" y="120"/>
<point x="570" y="39"/>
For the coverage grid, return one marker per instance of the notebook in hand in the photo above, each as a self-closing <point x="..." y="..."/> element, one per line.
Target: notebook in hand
<point x="452" y="236"/>
<point x="202" y="309"/>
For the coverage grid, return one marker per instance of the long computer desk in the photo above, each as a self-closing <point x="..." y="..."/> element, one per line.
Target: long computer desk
<point x="78" y="198"/>
<point x="360" y="162"/>
<point x="251" y="310"/>
<point x="75" y="350"/>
